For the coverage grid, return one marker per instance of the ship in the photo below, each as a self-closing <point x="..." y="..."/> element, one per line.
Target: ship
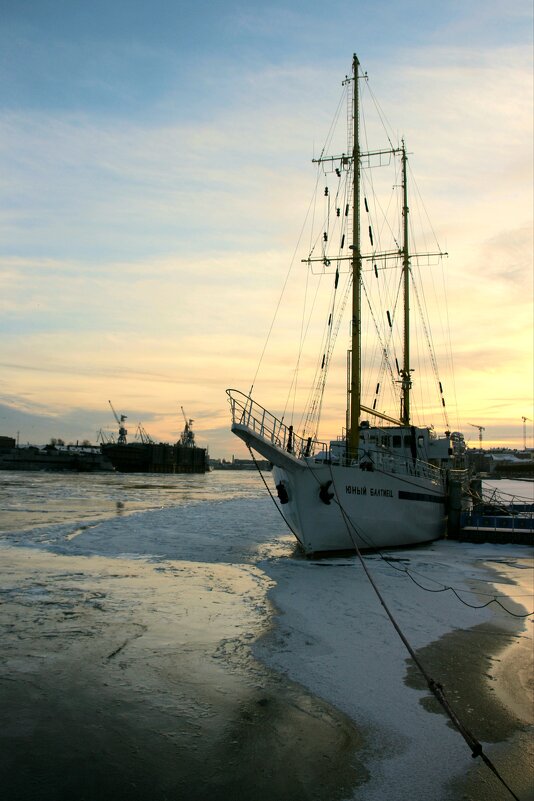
<point x="52" y="458"/>
<point x="144" y="455"/>
<point x="384" y="481"/>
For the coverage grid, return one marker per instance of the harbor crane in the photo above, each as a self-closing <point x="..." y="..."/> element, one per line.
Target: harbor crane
<point x="122" y="430"/>
<point x="143" y="435"/>
<point x="105" y="438"/>
<point x="480" y="430"/>
<point x="188" y="437"/>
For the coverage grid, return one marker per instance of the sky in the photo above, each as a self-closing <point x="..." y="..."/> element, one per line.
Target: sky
<point x="155" y="171"/>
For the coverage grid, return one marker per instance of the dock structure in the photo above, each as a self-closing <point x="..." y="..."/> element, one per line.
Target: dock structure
<point x="139" y="457"/>
<point x="492" y="528"/>
<point x="490" y="517"/>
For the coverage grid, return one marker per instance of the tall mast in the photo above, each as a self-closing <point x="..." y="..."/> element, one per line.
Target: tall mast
<point x="355" y="376"/>
<point x="405" y="373"/>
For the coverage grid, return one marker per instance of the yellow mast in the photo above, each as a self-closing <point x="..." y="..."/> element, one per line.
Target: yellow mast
<point x="405" y="372"/>
<point x="355" y="377"/>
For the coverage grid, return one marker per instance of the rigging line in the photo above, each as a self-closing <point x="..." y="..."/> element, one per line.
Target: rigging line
<point x="333" y="339"/>
<point x="325" y="225"/>
<point x="450" y="357"/>
<point x="430" y="344"/>
<point x="421" y="201"/>
<point x="423" y="310"/>
<point x="367" y="179"/>
<point x="335" y="120"/>
<point x="314" y="201"/>
<point x="302" y="335"/>
<point x="445" y="326"/>
<point x="384" y="213"/>
<point x="377" y="211"/>
<point x="312" y="411"/>
<point x="513" y="496"/>
<point x="435" y="688"/>
<point x="311" y="402"/>
<point x="299" y="355"/>
<point x="381" y="116"/>
<point x="270" y="493"/>
<point x="292" y="262"/>
<point x="500" y="504"/>
<point x="385" y="357"/>
<point x="394" y="310"/>
<point x="294" y="381"/>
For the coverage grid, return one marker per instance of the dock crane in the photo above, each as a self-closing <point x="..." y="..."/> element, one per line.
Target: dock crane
<point x="122" y="431"/>
<point x="143" y="435"/>
<point x="188" y="437"/>
<point x="480" y="430"/>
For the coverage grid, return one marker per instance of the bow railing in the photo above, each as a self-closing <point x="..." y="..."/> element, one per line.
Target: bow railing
<point x="247" y="412"/>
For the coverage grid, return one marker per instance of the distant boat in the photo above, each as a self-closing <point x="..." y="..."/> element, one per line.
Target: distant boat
<point x="380" y="484"/>
<point x="52" y="458"/>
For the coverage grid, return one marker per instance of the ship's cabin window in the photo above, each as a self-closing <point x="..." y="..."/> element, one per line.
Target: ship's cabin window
<point x="407" y="441"/>
<point x="397" y="441"/>
<point x="386" y="441"/>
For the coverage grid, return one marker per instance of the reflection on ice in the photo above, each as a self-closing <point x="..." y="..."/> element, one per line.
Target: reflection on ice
<point x="141" y="615"/>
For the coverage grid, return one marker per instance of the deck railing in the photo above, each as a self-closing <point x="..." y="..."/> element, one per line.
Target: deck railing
<point x="247" y="412"/>
<point x="386" y="461"/>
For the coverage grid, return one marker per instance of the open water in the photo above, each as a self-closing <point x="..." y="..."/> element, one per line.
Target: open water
<point x="222" y="516"/>
<point x="62" y="503"/>
<point x="35" y="499"/>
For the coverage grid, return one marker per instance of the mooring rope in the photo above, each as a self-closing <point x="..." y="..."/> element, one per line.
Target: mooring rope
<point x="435" y="687"/>
<point x="284" y="518"/>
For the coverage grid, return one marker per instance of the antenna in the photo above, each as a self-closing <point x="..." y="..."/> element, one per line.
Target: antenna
<point x="480" y="430"/>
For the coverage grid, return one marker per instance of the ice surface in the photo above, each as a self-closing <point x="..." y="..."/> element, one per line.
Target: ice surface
<point x="332" y="635"/>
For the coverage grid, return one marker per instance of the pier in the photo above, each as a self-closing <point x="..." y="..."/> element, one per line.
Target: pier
<point x="476" y="516"/>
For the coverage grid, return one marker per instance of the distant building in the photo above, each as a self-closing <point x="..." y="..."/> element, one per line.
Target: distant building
<point x="240" y="464"/>
<point x="502" y="462"/>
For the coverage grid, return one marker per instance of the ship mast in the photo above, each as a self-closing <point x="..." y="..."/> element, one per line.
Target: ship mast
<point x="355" y="407"/>
<point x="356" y="266"/>
<point x="406" y="379"/>
<point x="356" y="263"/>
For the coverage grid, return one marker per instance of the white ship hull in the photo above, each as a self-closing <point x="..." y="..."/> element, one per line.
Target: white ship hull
<point x="333" y="507"/>
<point x="370" y="510"/>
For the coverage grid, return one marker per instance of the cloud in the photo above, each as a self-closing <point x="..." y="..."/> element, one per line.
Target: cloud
<point x="144" y="254"/>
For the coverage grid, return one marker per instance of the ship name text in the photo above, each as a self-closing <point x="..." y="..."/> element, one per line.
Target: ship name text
<point x="382" y="493"/>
